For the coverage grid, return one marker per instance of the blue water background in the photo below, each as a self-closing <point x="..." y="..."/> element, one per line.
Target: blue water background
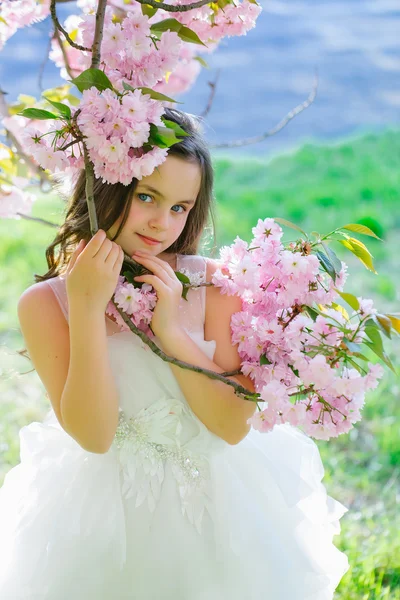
<point x="354" y="45"/>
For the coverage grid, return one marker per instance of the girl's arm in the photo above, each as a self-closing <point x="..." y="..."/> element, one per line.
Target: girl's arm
<point x="213" y="402"/>
<point x="73" y="365"/>
<point x="89" y="402"/>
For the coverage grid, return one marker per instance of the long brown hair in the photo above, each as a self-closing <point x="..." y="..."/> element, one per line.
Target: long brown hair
<point x="112" y="200"/>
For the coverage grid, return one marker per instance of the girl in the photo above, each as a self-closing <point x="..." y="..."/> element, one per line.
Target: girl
<point x="144" y="481"/>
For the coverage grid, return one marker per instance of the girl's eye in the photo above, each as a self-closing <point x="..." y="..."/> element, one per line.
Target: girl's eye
<point x="184" y="209"/>
<point x="180" y="206"/>
<point x="144" y="195"/>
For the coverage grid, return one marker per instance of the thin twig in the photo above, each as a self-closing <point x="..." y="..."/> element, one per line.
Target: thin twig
<point x="293" y="113"/>
<point x="38" y="219"/>
<point x="58" y="25"/>
<point x="213" y="85"/>
<point x="75" y="141"/>
<point x="63" y="51"/>
<point x="43" y="64"/>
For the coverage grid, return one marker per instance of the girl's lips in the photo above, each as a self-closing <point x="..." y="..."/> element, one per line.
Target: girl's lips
<point x="148" y="240"/>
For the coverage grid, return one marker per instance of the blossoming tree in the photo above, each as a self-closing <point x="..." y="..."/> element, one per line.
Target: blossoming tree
<point x="309" y="358"/>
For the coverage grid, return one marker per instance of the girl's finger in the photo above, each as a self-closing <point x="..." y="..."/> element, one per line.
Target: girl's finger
<point x="119" y="260"/>
<point x="75" y="255"/>
<point x="157" y="268"/>
<point x="156" y="282"/>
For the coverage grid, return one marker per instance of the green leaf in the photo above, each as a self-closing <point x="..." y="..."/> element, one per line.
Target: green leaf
<point x="355" y="365"/>
<point x="92" y="78"/>
<point x="129" y="277"/>
<point x="373" y="334"/>
<point x="336" y="262"/>
<point x="361" y="356"/>
<point x="352" y="346"/>
<point x="63" y="109"/>
<point x="183" y="279"/>
<point x="264" y="360"/>
<point x="312" y="312"/>
<point x="395" y="320"/>
<point x="350" y="299"/>
<point x="289" y="224"/>
<point x="385" y="324"/>
<point x="156" y="95"/>
<point x="37" y="113"/>
<point x="148" y="11"/>
<point x="295" y="371"/>
<point x="186" y="34"/>
<point x="359" y="250"/>
<point x="382" y="355"/>
<point x="202" y="62"/>
<point x="163" y="137"/>
<point x="175" y="127"/>
<point x="340" y="309"/>
<point x="127" y="87"/>
<point x="326" y="264"/>
<point x="360" y="229"/>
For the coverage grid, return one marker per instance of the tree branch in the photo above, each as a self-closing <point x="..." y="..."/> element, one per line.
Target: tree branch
<point x="293" y="113"/>
<point x="39" y="220"/>
<point x="58" y="26"/>
<point x="98" y="34"/>
<point x="213" y="86"/>
<point x="171" y="8"/>
<point x="239" y="389"/>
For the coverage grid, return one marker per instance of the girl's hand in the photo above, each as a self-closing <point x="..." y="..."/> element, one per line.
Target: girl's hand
<point x="165" y="321"/>
<point x="93" y="270"/>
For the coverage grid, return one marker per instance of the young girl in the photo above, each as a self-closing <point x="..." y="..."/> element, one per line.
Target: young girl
<point x="144" y="482"/>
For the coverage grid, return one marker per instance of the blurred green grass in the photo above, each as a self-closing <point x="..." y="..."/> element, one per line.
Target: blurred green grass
<point x="319" y="187"/>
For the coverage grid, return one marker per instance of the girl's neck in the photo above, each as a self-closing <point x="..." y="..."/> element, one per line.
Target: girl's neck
<point x="170" y="258"/>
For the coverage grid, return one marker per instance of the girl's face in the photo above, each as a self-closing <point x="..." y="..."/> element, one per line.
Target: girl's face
<point x="160" y="207"/>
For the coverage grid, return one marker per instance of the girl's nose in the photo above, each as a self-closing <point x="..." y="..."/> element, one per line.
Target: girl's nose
<point x="160" y="220"/>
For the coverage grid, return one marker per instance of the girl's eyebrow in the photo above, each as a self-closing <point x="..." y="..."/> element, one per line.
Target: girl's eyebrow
<point x="151" y="189"/>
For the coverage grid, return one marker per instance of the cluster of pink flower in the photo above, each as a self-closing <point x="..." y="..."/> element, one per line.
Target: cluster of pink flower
<point x="294" y="360"/>
<point x="135" y="302"/>
<point x="116" y="128"/>
<point x="127" y="50"/>
<point x="20" y="13"/>
<point x="142" y="62"/>
<point x="235" y="19"/>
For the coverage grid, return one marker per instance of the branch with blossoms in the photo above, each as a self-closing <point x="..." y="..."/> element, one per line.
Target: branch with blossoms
<point x="169" y="46"/>
<point x="307" y="355"/>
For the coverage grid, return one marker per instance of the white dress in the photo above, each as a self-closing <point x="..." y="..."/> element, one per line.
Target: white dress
<point x="171" y="511"/>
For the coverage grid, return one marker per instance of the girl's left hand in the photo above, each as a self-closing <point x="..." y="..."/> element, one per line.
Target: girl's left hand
<point x="165" y="322"/>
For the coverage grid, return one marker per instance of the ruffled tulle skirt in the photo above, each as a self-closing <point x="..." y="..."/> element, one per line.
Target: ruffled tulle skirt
<point x="68" y="531"/>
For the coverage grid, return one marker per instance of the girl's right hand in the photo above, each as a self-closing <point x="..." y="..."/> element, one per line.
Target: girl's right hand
<point x="93" y="271"/>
